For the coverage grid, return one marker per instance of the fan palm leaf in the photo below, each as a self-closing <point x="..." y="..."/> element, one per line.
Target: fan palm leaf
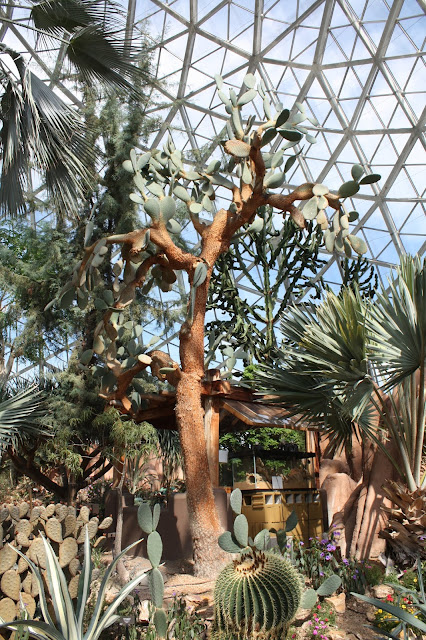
<point x="19" y="418"/>
<point x="38" y="129"/>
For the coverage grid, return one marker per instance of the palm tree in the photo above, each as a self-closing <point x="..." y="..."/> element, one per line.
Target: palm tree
<point x="38" y="128"/>
<point x="352" y="366"/>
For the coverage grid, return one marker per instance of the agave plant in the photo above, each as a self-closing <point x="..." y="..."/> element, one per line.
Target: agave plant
<point x="69" y="619"/>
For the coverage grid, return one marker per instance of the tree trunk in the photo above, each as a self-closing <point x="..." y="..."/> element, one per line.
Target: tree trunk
<point x="203" y="516"/>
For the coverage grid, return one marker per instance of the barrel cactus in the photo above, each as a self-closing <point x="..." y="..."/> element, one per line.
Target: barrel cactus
<point x="257" y="594"/>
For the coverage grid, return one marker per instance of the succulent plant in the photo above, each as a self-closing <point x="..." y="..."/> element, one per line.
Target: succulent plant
<point x="258" y="594"/>
<point x="22" y="529"/>
<point x="327" y="588"/>
<point x="69" y="619"/>
<point x="148" y="521"/>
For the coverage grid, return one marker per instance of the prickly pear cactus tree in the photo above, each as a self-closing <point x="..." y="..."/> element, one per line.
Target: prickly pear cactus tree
<point x="21" y="530"/>
<point x="257" y="594"/>
<point x="148" y="520"/>
<point x="220" y="200"/>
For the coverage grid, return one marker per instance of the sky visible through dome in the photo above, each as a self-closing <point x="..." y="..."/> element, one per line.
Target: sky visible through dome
<point x="358" y="67"/>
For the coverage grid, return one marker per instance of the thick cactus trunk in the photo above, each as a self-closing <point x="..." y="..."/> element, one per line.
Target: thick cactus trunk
<point x="203" y="517"/>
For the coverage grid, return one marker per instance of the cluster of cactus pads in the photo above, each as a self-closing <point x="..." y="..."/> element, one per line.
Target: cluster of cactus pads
<point x="148" y="520"/>
<point x="257" y="595"/>
<point x="22" y="529"/>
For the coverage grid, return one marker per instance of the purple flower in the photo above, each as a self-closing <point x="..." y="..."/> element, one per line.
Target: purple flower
<point x="328" y="556"/>
<point x="331" y="547"/>
<point x="321" y="573"/>
<point x="345" y="561"/>
<point x="324" y="541"/>
<point x="321" y="554"/>
<point x="301" y="543"/>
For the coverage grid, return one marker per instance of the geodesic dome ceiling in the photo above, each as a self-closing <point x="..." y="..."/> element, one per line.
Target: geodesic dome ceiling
<point x="358" y="67"/>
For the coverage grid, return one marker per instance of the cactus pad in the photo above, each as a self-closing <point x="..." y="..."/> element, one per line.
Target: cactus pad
<point x="8" y="557"/>
<point x="24" y="526"/>
<point x="61" y="512"/>
<point x="69" y="525"/>
<point x="14" y="512"/>
<point x="28" y="603"/>
<point x="37" y="553"/>
<point x="54" y="529"/>
<point x="92" y="527"/>
<point x="22" y="540"/>
<point x="68" y="550"/>
<point x="256" y="595"/>
<point x="74" y="566"/>
<point x="84" y="514"/>
<point x="27" y="582"/>
<point x="7" y="609"/>
<point x="73" y="586"/>
<point x="106" y="523"/>
<point x="35" y="514"/>
<point x="24" y="507"/>
<point x="22" y="565"/>
<point x="4" y="513"/>
<point x="11" y="584"/>
<point x="49" y="511"/>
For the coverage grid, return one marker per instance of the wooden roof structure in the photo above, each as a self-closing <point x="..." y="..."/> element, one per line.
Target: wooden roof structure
<point x="227" y="408"/>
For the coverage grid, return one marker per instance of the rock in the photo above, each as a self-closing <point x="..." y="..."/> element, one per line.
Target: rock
<point x="339" y="488"/>
<point x="302" y="615"/>
<point x="371" y="614"/>
<point x="143" y="611"/>
<point x="306" y="627"/>
<point x="111" y="593"/>
<point x="336" y="634"/>
<point x="381" y="591"/>
<point x="337" y="602"/>
<point x="329" y="466"/>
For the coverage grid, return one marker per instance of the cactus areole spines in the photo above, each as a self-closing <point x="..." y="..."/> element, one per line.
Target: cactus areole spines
<point x="256" y="596"/>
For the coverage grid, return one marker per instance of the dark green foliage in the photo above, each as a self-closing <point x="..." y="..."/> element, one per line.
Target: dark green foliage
<point x="32" y="267"/>
<point x="285" y="260"/>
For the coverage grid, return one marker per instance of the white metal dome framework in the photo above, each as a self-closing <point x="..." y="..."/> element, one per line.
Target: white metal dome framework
<point x="358" y="67"/>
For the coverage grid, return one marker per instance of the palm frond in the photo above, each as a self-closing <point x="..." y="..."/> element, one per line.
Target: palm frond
<point x="19" y="418"/>
<point x="397" y="324"/>
<point x="55" y="16"/>
<point x="99" y="56"/>
<point x="38" y="127"/>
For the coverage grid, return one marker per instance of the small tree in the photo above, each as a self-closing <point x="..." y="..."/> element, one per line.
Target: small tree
<point x="153" y="254"/>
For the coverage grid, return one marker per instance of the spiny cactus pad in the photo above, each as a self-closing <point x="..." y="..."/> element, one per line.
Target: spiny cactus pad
<point x="11" y="584"/>
<point x="54" y="529"/>
<point x="257" y="595"/>
<point x="68" y="550"/>
<point x="29" y="603"/>
<point x="8" y="557"/>
<point x="7" y="609"/>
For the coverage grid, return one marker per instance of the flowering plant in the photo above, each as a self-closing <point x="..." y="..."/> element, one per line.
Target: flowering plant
<point x="322" y="618"/>
<point x="322" y="557"/>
